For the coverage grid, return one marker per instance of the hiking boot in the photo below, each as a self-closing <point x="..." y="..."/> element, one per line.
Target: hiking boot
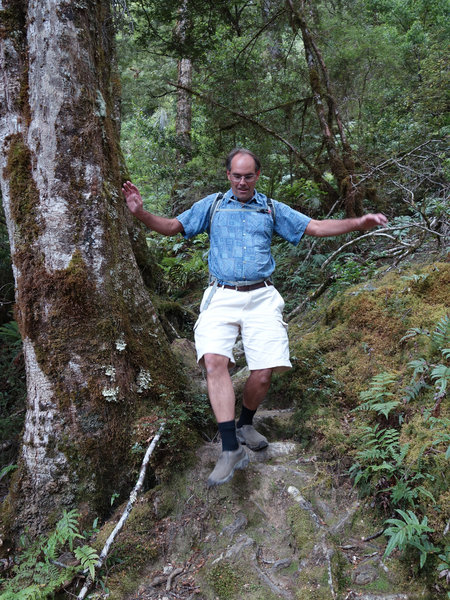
<point x="229" y="461"/>
<point x="248" y="435"/>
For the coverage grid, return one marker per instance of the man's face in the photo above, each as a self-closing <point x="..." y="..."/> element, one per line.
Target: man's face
<point x="243" y="176"/>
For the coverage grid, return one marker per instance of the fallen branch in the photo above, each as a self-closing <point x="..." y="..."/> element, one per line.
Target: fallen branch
<point x="172" y="576"/>
<point x="317" y="292"/>
<point x="378" y="233"/>
<point x="133" y="496"/>
<point x="373" y="536"/>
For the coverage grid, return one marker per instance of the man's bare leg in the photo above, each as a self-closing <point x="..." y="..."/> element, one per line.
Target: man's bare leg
<point x="255" y="390"/>
<point x="220" y="387"/>
<point x="221" y="396"/>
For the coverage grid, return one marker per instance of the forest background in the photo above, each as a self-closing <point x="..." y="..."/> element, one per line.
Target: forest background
<point x="346" y="103"/>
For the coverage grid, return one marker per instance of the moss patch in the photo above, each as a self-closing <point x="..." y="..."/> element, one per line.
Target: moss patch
<point x="340" y="345"/>
<point x="313" y="584"/>
<point x="303" y="529"/>
<point x="23" y="192"/>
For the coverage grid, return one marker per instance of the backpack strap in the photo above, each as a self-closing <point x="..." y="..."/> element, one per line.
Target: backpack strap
<point x="214" y="208"/>
<point x="216" y="205"/>
<point x="271" y="206"/>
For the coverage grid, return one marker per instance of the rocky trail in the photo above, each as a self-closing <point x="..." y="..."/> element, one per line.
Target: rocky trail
<point x="287" y="527"/>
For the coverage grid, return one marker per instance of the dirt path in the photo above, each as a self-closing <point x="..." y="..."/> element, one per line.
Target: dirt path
<point x="284" y="528"/>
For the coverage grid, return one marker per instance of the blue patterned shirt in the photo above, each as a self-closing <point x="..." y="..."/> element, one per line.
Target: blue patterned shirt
<point x="241" y="234"/>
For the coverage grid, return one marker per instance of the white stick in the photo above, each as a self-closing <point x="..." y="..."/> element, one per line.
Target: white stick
<point x="126" y="512"/>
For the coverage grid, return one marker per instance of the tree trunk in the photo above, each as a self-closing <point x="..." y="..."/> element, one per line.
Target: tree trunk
<point x="184" y="112"/>
<point x="96" y="357"/>
<point x="342" y="163"/>
<point x="184" y="100"/>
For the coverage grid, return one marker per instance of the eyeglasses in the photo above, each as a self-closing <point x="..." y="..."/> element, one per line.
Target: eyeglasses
<point x="247" y="178"/>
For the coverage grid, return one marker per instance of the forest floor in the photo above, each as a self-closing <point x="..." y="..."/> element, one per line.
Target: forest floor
<point x="289" y="526"/>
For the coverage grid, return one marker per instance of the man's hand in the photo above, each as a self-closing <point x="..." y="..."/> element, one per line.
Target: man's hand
<point x="154" y="222"/>
<point x="370" y="221"/>
<point x="133" y="198"/>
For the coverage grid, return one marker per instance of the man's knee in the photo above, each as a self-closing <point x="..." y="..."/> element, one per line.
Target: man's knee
<point x="262" y="376"/>
<point x="215" y="364"/>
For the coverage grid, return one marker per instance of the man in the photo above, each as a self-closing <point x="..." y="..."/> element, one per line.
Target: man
<point x="241" y="297"/>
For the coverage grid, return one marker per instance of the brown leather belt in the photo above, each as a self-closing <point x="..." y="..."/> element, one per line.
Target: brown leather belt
<point x="246" y="288"/>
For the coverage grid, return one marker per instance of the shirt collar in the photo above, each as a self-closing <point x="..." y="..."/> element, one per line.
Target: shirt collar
<point x="257" y="197"/>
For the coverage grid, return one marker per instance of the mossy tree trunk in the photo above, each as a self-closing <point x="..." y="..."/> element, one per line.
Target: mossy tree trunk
<point x="97" y="359"/>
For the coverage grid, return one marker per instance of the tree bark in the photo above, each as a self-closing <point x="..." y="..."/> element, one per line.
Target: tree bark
<point x="184" y="100"/>
<point x="96" y="356"/>
<point x="184" y="112"/>
<point x="342" y="163"/>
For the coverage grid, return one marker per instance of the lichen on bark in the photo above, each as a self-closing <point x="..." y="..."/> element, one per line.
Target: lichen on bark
<point x="89" y="328"/>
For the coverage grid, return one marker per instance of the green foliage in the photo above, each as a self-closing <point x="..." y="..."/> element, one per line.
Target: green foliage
<point x="10" y="334"/>
<point x="12" y="389"/>
<point x="349" y="270"/>
<point x="404" y="465"/>
<point x="375" y="397"/>
<point x="409" y="531"/>
<point x="38" y="572"/>
<point x="381" y="463"/>
<point x="184" y="264"/>
<point x="88" y="558"/>
<point x="196" y="413"/>
<point x="444" y="565"/>
<point x="6" y="470"/>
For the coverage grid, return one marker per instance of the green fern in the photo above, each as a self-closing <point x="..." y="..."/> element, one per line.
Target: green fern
<point x="31" y="592"/>
<point x="67" y="528"/>
<point x="441" y="376"/>
<point x="88" y="558"/>
<point x="413" y="390"/>
<point x="37" y="575"/>
<point x="375" y="398"/>
<point x="419" y="367"/>
<point x="409" y="532"/>
<point x="413" y="332"/>
<point x="440" y="337"/>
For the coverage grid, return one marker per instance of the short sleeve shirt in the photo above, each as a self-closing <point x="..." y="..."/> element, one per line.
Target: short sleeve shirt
<point x="241" y="234"/>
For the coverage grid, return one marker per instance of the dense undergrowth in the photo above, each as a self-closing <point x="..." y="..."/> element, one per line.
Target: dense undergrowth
<point x="370" y="384"/>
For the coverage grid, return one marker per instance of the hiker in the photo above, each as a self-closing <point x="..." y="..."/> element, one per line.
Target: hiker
<point x="241" y="296"/>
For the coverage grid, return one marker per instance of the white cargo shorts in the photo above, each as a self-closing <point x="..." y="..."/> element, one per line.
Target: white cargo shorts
<point x="257" y="315"/>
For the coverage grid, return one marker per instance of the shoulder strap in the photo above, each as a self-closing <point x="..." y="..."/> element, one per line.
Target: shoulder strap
<point x="271" y="206"/>
<point x="214" y="208"/>
<point x="216" y="204"/>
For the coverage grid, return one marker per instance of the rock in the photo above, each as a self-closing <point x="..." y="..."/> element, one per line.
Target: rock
<point x="239" y="523"/>
<point x="185" y="352"/>
<point x="242" y="542"/>
<point x="283" y="563"/>
<point x="239" y="380"/>
<point x="364" y="574"/>
<point x="273" y="450"/>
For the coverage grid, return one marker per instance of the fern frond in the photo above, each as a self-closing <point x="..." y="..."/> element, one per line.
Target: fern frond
<point x="420" y="366"/>
<point x="441" y="376"/>
<point x="88" y="558"/>
<point x="413" y="332"/>
<point x="413" y="390"/>
<point x="67" y="528"/>
<point x="441" y="335"/>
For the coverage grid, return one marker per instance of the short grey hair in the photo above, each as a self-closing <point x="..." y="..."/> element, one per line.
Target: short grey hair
<point x="235" y="151"/>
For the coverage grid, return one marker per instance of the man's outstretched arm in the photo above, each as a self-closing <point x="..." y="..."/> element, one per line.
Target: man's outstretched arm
<point x="134" y="201"/>
<point x="330" y="227"/>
